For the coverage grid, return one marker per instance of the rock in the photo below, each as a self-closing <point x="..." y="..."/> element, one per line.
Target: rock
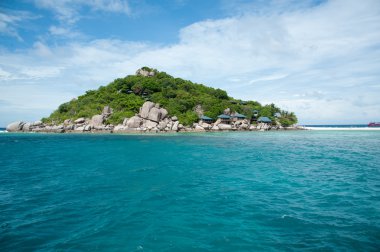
<point x="69" y="127"/>
<point x="80" y="120"/>
<point x="87" y="128"/>
<point x="125" y="121"/>
<point x="26" y="127"/>
<point x="218" y="122"/>
<point x="134" y="122"/>
<point x="164" y="113"/>
<point x="80" y="128"/>
<point x="37" y="123"/>
<point x="206" y="126"/>
<point x="175" y="126"/>
<point x="119" y="127"/>
<point x="198" y="110"/>
<point x="162" y="125"/>
<point x="97" y="120"/>
<point x="227" y="111"/>
<point x="199" y="128"/>
<point x="215" y="128"/>
<point x="154" y="114"/>
<point x="15" y="126"/>
<point x="144" y="110"/>
<point x="225" y="126"/>
<point x="174" y="118"/>
<point x="107" y="111"/>
<point x="150" y="124"/>
<point x="67" y="121"/>
<point x="145" y="72"/>
<point x="244" y="126"/>
<point x="180" y="126"/>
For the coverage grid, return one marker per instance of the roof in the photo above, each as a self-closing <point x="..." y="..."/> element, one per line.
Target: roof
<point x="255" y="111"/>
<point x="238" y="115"/>
<point x="264" y="119"/>
<point x="223" y="116"/>
<point x="206" y="118"/>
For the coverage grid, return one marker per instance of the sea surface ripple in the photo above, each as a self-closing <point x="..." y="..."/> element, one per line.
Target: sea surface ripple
<point x="249" y="191"/>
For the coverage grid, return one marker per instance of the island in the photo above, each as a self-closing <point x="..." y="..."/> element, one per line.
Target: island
<point x="154" y="101"/>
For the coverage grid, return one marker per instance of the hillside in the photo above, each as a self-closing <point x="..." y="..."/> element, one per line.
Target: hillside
<point x="181" y="98"/>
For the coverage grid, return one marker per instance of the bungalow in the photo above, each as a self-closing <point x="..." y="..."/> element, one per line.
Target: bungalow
<point x="264" y="119"/>
<point x="224" y="118"/>
<point x="237" y="116"/>
<point x="206" y="119"/>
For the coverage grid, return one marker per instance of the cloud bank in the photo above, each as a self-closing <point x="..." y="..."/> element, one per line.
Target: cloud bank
<point x="321" y="62"/>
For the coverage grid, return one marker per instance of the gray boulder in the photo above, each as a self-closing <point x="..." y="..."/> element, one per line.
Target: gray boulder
<point x="97" y="120"/>
<point x="15" y="126"/>
<point x="26" y="127"/>
<point x="125" y="121"/>
<point x="134" y="122"/>
<point x="150" y="124"/>
<point x="154" y="114"/>
<point x="107" y="111"/>
<point x="199" y="128"/>
<point x="175" y="126"/>
<point x="164" y="113"/>
<point x="144" y="110"/>
<point x="225" y="126"/>
<point x="174" y="118"/>
<point x="80" y="120"/>
<point x="37" y="123"/>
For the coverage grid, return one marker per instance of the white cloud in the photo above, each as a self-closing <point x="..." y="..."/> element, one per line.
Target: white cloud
<point x="10" y="22"/>
<point x="69" y="11"/>
<point x="320" y="62"/>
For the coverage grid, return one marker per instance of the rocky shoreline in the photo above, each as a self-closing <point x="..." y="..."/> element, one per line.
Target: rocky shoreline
<point x="151" y="119"/>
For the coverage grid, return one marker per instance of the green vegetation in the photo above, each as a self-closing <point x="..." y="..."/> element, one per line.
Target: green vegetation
<point x="126" y="95"/>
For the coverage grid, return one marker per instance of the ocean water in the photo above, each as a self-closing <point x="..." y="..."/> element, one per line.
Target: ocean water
<point x="249" y="191"/>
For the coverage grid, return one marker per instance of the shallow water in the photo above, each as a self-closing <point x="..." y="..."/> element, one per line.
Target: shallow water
<point x="250" y="191"/>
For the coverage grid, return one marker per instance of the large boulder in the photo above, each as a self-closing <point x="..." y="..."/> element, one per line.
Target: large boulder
<point x="134" y="122"/>
<point x="150" y="124"/>
<point x="144" y="110"/>
<point x="175" y="126"/>
<point x="97" y="120"/>
<point x="125" y="121"/>
<point x="37" y="123"/>
<point x="119" y="127"/>
<point x="26" y="127"/>
<point x="215" y="128"/>
<point x="15" y="126"/>
<point x="224" y="126"/>
<point x="145" y="72"/>
<point x="199" y="128"/>
<point x="164" y="113"/>
<point x="107" y="111"/>
<point x="80" y="120"/>
<point x="154" y="114"/>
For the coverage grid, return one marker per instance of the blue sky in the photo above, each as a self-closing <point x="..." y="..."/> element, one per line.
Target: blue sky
<point x="320" y="59"/>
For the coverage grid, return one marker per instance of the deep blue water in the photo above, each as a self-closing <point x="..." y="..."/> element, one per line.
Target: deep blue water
<point x="250" y="191"/>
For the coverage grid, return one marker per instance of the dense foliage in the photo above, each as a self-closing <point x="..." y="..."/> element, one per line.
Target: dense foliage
<point x="126" y="95"/>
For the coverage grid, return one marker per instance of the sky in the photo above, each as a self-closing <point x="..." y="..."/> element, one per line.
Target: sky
<point x="317" y="58"/>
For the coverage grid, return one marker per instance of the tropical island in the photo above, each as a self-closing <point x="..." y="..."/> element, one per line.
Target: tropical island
<point x="154" y="101"/>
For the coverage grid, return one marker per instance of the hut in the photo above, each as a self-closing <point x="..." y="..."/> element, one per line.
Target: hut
<point x="264" y="119"/>
<point x="206" y="119"/>
<point x="224" y="118"/>
<point x="237" y="116"/>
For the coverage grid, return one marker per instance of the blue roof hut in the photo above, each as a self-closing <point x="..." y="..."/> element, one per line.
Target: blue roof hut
<point x="225" y="118"/>
<point x="206" y="119"/>
<point x="264" y="119"/>
<point x="238" y="116"/>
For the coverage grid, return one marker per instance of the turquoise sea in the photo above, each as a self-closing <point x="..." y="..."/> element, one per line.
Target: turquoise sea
<point x="249" y="191"/>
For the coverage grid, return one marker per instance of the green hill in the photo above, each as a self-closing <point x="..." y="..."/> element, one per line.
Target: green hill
<point x="180" y="97"/>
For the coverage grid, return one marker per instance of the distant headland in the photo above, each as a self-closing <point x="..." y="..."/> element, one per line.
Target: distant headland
<point x="153" y="101"/>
